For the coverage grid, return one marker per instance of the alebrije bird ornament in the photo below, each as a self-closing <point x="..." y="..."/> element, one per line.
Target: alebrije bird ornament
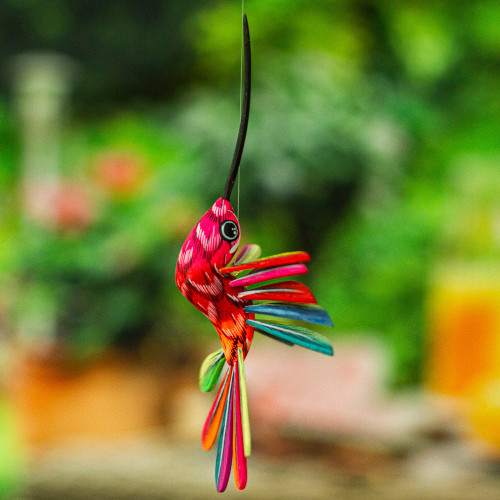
<point x="230" y="291"/>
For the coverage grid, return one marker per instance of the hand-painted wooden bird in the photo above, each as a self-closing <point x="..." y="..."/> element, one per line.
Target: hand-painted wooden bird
<point x="206" y="275"/>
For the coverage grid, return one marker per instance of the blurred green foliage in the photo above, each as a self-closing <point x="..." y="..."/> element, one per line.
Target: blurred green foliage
<point x="97" y="269"/>
<point x="367" y="120"/>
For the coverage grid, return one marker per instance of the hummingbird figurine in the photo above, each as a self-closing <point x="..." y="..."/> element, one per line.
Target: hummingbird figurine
<point x="230" y="289"/>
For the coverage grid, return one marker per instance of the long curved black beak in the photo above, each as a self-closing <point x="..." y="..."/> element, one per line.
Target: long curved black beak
<point x="240" y="143"/>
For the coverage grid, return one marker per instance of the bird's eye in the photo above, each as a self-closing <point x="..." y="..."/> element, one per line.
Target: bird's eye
<point x="229" y="230"/>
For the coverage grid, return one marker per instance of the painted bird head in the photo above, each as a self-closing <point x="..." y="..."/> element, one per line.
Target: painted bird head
<point x="216" y="237"/>
<point x="213" y="241"/>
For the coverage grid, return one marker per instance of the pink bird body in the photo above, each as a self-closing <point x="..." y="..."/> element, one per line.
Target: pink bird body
<point x="216" y="280"/>
<point x="200" y="280"/>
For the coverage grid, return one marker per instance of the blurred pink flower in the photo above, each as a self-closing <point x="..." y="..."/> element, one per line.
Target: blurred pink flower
<point x="65" y="206"/>
<point x="73" y="208"/>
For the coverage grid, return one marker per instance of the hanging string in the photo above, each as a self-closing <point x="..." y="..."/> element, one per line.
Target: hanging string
<point x="241" y="102"/>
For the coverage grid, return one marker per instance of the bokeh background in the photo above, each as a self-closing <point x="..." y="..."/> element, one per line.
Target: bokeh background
<point x="373" y="144"/>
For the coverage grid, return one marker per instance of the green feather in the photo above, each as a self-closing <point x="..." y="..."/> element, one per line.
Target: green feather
<point x="210" y="370"/>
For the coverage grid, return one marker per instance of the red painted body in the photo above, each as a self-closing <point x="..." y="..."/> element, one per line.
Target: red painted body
<point x="199" y="279"/>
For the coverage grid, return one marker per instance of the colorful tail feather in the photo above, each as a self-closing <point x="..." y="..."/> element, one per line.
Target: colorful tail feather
<point x="229" y="417"/>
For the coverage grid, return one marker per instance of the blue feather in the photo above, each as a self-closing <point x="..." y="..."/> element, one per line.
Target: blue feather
<point x="309" y="314"/>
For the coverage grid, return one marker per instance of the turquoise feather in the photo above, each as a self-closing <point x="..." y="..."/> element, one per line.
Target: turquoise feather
<point x="293" y="334"/>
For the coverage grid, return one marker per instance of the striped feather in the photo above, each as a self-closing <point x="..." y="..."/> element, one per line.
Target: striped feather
<point x="285" y="291"/>
<point x="294" y="334"/>
<point x="281" y="259"/>
<point x="270" y="274"/>
<point x="225" y="448"/>
<point x="239" y="458"/>
<point x="308" y="314"/>
<point x="214" y="418"/>
<point x="210" y="370"/>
